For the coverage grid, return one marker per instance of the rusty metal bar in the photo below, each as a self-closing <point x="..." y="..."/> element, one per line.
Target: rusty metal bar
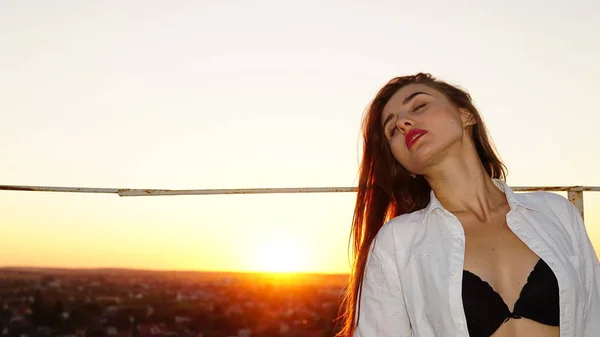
<point x="130" y="192"/>
<point x="575" y="193"/>
<point x="58" y="189"/>
<point x="151" y="192"/>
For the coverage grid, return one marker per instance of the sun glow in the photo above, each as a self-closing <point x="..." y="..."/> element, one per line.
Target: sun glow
<point x="281" y="255"/>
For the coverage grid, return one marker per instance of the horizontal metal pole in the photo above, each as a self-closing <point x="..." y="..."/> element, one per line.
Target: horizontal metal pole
<point x="58" y="189"/>
<point x="129" y="192"/>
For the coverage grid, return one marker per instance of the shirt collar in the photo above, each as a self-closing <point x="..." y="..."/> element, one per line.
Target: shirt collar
<point x="514" y="200"/>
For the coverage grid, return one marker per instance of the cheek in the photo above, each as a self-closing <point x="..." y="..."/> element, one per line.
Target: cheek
<point x="453" y="130"/>
<point x="399" y="151"/>
<point x="447" y="125"/>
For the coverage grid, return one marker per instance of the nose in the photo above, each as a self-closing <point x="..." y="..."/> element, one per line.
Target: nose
<point x="404" y="123"/>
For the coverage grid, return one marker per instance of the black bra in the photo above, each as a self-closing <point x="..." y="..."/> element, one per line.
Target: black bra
<point x="486" y="311"/>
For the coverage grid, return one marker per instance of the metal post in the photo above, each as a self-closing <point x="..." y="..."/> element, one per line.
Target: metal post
<point x="576" y="198"/>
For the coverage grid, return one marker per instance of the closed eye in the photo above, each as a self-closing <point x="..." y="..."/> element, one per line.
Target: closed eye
<point x="419" y="106"/>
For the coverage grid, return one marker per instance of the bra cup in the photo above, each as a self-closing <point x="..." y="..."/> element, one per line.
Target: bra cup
<point x="484" y="308"/>
<point x="538" y="300"/>
<point x="486" y="311"/>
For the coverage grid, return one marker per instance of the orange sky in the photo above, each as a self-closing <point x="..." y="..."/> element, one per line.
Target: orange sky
<point x="195" y="95"/>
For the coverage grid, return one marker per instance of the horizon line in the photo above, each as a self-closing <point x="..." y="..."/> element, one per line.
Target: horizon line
<point x="133" y="269"/>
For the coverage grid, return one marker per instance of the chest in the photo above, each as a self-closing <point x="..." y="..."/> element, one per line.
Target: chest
<point x="499" y="257"/>
<point x="431" y="271"/>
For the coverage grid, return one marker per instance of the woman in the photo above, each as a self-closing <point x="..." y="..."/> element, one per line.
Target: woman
<point x="443" y="247"/>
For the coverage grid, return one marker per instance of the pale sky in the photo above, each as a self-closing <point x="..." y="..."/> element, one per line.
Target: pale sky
<point x="238" y="94"/>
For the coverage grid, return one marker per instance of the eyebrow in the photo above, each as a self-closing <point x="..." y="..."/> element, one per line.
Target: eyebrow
<point x="404" y="102"/>
<point x="413" y="95"/>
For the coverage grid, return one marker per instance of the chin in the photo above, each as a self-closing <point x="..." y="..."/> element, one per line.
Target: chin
<point x="420" y="158"/>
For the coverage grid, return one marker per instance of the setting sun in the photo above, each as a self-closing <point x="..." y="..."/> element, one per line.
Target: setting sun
<point x="281" y="255"/>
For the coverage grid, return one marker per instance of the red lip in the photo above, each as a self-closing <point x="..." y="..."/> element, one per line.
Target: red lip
<point x="412" y="136"/>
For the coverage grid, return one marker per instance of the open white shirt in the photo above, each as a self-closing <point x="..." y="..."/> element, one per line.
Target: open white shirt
<point x="413" y="279"/>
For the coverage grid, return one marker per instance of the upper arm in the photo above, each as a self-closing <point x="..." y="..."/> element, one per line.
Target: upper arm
<point x="382" y="310"/>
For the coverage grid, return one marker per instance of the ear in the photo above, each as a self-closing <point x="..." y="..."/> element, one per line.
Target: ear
<point x="468" y="118"/>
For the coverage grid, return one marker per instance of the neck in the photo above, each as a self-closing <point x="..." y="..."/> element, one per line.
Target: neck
<point x="462" y="185"/>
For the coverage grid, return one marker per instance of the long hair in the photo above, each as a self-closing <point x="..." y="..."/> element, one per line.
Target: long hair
<point x="386" y="189"/>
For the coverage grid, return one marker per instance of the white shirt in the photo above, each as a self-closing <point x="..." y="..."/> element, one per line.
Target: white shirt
<point x="413" y="279"/>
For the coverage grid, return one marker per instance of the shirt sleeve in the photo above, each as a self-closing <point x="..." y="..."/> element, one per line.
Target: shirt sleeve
<point x="382" y="310"/>
<point x="591" y="271"/>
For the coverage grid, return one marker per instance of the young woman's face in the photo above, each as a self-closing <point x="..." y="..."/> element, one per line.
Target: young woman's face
<point x="422" y="126"/>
